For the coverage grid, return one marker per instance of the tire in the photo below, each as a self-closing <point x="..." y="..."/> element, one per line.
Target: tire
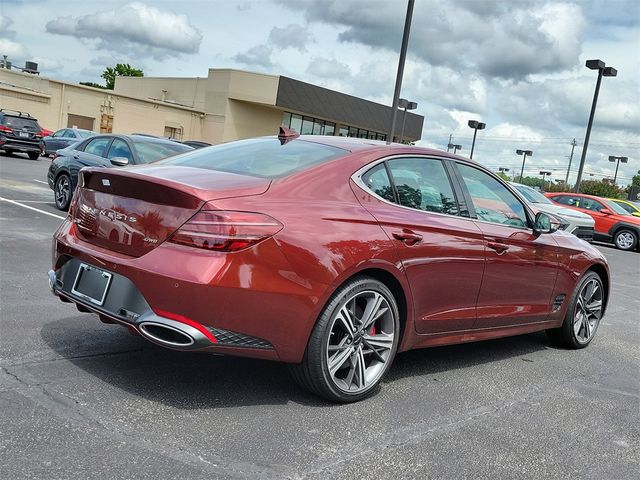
<point x="349" y="352"/>
<point x="583" y="314"/>
<point x="8" y="152"/>
<point x="33" y="155"/>
<point x="63" y="191"/>
<point x="625" y="239"/>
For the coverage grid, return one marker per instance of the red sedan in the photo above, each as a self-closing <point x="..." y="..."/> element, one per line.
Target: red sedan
<point x="331" y="254"/>
<point x="613" y="223"/>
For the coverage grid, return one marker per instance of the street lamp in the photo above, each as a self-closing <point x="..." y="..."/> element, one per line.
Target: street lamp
<point x="455" y="147"/>
<point x="503" y="171"/>
<point x="476" y="125"/>
<point x="406" y="105"/>
<point x="603" y="71"/>
<point x="617" y="159"/>
<point x="544" y="173"/>
<point x="524" y="154"/>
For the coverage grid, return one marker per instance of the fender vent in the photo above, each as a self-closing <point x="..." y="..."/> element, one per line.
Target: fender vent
<point x="234" y="339"/>
<point x="557" y="303"/>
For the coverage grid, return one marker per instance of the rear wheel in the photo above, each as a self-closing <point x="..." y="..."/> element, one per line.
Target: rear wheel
<point x="62" y="192"/>
<point x="33" y="155"/>
<point x="583" y="314"/>
<point x="625" y="239"/>
<point x="353" y="343"/>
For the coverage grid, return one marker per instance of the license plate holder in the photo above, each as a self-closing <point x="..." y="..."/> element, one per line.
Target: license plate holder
<point x="91" y="284"/>
<point x="23" y="134"/>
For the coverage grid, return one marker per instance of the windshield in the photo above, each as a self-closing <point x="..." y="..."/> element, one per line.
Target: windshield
<point x="151" y="151"/>
<point x="614" y="207"/>
<point x="260" y="157"/>
<point x="531" y="195"/>
<point x="86" y="133"/>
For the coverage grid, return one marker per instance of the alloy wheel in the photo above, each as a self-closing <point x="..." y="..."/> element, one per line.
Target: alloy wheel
<point x="588" y="310"/>
<point x="625" y="240"/>
<point x="361" y="340"/>
<point x="62" y="192"/>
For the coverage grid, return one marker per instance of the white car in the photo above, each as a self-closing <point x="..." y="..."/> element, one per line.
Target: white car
<point x="578" y="223"/>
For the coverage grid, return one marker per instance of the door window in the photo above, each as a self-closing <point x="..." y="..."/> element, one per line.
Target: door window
<point x="567" y="200"/>
<point x="590" y="204"/>
<point x="119" y="148"/>
<point x="492" y="201"/>
<point x="97" y="146"/>
<point x="68" y="134"/>
<point x="423" y="184"/>
<point x="59" y="133"/>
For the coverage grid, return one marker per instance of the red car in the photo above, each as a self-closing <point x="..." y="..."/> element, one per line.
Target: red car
<point x="328" y="253"/>
<point x="613" y="223"/>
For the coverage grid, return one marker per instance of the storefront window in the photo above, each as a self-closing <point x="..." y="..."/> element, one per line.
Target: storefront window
<point x="296" y="123"/>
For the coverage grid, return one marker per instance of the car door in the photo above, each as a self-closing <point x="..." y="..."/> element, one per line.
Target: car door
<point x="54" y="142"/>
<point x="604" y="221"/>
<point x="69" y="137"/>
<point x="89" y="154"/>
<point x="441" y="252"/>
<point x="521" y="266"/>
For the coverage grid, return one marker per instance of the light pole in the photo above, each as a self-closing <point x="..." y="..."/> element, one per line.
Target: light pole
<point x="573" y="145"/>
<point x="403" y="56"/>
<point x="603" y="71"/>
<point x="406" y="105"/>
<point x="617" y="159"/>
<point x="476" y="125"/>
<point x="524" y="154"/>
<point x="455" y="147"/>
<point x="544" y="173"/>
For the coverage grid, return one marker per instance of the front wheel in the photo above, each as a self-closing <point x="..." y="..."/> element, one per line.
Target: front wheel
<point x="583" y="314"/>
<point x="62" y="192"/>
<point x="353" y="343"/>
<point x="625" y="239"/>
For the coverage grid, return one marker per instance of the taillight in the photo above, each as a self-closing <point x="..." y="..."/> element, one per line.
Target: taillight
<point x="225" y="231"/>
<point x="5" y="129"/>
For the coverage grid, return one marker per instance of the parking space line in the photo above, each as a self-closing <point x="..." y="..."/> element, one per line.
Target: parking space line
<point x="39" y="181"/>
<point x="31" y="208"/>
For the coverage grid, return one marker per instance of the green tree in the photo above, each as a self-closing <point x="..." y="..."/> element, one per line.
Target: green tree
<point x="635" y="181"/>
<point x="120" y="70"/>
<point x="532" y="181"/>
<point x="601" y="188"/>
<point x="504" y="176"/>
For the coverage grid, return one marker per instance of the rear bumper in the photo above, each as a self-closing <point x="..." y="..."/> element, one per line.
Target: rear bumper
<point x="19" y="145"/>
<point x="251" y="303"/>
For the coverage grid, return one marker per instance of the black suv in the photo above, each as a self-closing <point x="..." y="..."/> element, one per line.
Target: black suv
<point x="19" y="132"/>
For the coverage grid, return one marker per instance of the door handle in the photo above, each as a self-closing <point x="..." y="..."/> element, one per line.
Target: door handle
<point x="500" y="248"/>
<point x="407" y="236"/>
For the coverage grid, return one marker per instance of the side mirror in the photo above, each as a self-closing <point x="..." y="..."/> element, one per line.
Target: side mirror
<point x="120" y="161"/>
<point x="546" y="223"/>
<point x="606" y="211"/>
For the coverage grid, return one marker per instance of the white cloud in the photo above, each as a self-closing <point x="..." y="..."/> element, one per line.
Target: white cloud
<point x="291" y="36"/>
<point x="135" y="26"/>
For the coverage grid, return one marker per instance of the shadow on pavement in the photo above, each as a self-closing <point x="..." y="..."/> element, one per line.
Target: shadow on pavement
<point x="200" y="381"/>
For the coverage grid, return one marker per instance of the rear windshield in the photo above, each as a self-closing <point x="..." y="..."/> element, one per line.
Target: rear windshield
<point x="19" y="122"/>
<point x="260" y="157"/>
<point x="151" y="151"/>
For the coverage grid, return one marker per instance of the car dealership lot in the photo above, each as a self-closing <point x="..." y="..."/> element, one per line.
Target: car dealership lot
<point x="82" y="399"/>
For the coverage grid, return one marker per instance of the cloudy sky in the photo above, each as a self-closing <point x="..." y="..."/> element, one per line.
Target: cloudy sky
<point x="517" y="65"/>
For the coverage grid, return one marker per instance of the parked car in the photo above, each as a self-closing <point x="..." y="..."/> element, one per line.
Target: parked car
<point x="328" y="253"/>
<point x="630" y="206"/>
<point x="572" y="221"/>
<point x="62" y="139"/>
<point x="104" y="151"/>
<point x="613" y="223"/>
<point x="19" y="132"/>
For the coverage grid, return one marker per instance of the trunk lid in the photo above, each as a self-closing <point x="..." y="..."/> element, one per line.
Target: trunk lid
<point x="133" y="210"/>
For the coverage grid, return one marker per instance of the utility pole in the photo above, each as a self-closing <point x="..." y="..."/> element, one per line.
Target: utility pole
<point x="449" y="144"/>
<point x="403" y="56"/>
<point x="573" y="145"/>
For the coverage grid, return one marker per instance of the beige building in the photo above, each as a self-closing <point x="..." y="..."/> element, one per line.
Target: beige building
<point x="226" y="105"/>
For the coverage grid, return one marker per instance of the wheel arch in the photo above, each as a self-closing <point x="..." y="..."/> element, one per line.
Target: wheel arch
<point x="602" y="272"/>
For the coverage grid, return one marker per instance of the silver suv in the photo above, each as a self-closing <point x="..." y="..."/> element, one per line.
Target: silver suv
<point x="578" y="223"/>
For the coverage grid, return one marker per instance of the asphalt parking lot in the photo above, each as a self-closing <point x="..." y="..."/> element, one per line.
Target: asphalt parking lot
<point x="81" y="399"/>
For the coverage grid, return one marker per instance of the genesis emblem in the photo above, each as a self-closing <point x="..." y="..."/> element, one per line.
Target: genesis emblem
<point x="106" y="182"/>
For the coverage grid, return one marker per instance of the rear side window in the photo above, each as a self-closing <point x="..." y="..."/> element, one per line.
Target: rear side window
<point x="260" y="157"/>
<point x="378" y="182"/>
<point x="97" y="146"/>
